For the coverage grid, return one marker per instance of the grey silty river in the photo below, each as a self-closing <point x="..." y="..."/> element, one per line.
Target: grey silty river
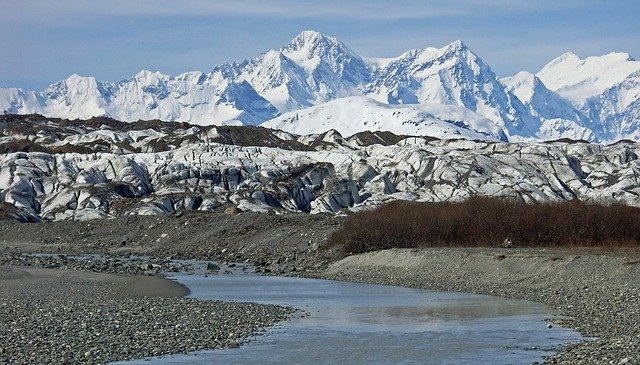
<point x="349" y="323"/>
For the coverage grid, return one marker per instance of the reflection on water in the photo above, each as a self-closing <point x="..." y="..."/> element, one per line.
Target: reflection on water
<point x="372" y="324"/>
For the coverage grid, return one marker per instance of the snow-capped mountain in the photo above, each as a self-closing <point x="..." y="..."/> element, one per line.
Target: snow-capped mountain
<point x="616" y="112"/>
<point x="452" y="75"/>
<point x="579" y="79"/>
<point x="309" y="70"/>
<point x="356" y="114"/>
<point x="594" y="99"/>
<point x="191" y="97"/>
<point x="558" y="117"/>
<point x="605" y="90"/>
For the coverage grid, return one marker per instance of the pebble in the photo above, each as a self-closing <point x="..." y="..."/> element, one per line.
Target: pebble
<point x="81" y="323"/>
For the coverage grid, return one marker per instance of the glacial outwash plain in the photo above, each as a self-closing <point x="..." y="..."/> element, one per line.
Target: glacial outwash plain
<point x="424" y="171"/>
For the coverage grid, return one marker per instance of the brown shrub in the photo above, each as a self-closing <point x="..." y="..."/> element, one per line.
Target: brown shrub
<point x="484" y="221"/>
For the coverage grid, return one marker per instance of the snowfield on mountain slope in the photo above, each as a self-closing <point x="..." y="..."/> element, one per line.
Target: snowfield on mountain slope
<point x="356" y="114"/>
<point x="578" y="79"/>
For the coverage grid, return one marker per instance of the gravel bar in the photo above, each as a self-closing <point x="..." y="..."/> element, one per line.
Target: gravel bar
<point x="52" y="316"/>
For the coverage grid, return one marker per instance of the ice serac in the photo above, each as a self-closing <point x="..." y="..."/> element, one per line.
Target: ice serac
<point x="355" y="114"/>
<point x="452" y="75"/>
<point x="105" y="168"/>
<point x="559" y="118"/>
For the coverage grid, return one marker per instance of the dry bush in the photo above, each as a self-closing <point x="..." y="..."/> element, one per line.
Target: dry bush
<point x="484" y="221"/>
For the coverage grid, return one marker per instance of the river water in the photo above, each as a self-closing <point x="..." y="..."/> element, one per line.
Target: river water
<point x="349" y="323"/>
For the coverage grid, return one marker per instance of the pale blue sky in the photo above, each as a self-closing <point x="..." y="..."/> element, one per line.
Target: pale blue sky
<point x="44" y="41"/>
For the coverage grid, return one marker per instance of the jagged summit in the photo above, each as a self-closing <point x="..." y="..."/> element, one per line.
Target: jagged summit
<point x="570" y="97"/>
<point x="450" y="75"/>
<point x="558" y="118"/>
<point x="150" y="76"/>
<point x="310" y="45"/>
<point x="310" y="39"/>
<point x="457" y="45"/>
<point x="313" y="50"/>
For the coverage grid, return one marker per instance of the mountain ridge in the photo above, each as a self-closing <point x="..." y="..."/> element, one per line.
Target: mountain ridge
<point x="595" y="98"/>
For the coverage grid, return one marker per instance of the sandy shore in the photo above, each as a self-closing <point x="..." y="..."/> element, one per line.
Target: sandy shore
<point x="28" y="282"/>
<point x="50" y="316"/>
<point x="597" y="294"/>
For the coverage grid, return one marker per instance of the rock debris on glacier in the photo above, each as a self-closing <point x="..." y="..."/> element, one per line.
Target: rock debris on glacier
<point x="58" y="169"/>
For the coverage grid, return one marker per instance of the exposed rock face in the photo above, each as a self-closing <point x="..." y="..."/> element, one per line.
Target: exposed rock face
<point x="158" y="168"/>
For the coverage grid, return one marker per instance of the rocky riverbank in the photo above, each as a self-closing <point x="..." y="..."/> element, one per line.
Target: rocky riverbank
<point x="56" y="316"/>
<point x="277" y="244"/>
<point x="273" y="243"/>
<point x="596" y="294"/>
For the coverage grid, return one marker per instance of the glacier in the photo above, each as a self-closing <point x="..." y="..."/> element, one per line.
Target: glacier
<point x="56" y="169"/>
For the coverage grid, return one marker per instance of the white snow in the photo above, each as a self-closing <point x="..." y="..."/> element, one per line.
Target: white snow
<point x="521" y="85"/>
<point x="578" y="79"/>
<point x="595" y="98"/>
<point x="356" y="114"/>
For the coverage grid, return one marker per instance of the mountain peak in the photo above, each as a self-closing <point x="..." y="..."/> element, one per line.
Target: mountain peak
<point x="458" y="45"/>
<point x="454" y="50"/>
<point x="523" y="85"/>
<point x="309" y="44"/>
<point x="567" y="57"/>
<point x="146" y="75"/>
<point x="579" y="79"/>
<point x="457" y="51"/>
<point x="619" y="56"/>
<point x="76" y="78"/>
<point x="310" y="37"/>
<point x="74" y="81"/>
<point x="313" y="51"/>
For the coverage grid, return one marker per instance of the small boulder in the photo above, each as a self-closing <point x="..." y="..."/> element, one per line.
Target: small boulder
<point x="232" y="211"/>
<point x="212" y="267"/>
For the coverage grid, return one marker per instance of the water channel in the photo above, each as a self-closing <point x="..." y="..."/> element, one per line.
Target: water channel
<point x="349" y="323"/>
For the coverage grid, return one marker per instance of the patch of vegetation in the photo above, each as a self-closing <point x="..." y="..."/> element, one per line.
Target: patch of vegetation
<point x="486" y="222"/>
